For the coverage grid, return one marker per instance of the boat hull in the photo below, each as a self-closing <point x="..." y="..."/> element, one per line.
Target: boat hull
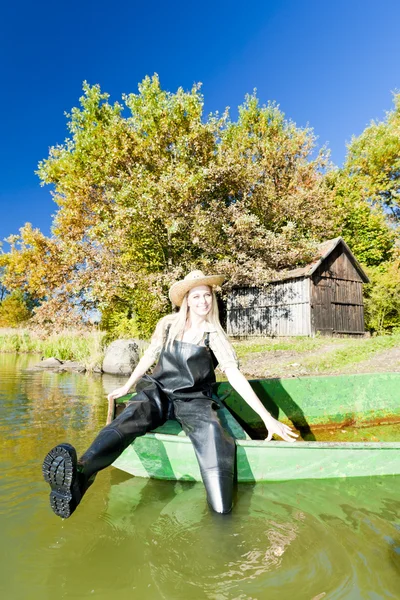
<point x="168" y="454"/>
<point x="172" y="457"/>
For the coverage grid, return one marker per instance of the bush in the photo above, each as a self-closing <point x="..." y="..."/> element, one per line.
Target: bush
<point x="14" y="310"/>
<point x="118" y="322"/>
<point x="382" y="297"/>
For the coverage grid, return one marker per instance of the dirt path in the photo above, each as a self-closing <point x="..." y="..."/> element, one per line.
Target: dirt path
<point x="289" y="363"/>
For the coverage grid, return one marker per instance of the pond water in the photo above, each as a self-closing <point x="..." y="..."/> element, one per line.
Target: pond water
<point x="138" y="538"/>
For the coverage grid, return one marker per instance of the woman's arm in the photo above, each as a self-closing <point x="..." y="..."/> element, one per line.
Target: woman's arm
<point x="143" y="365"/>
<point x="148" y="359"/>
<point x="242" y="386"/>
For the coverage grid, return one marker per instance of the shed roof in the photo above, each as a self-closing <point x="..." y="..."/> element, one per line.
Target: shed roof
<point x="324" y="250"/>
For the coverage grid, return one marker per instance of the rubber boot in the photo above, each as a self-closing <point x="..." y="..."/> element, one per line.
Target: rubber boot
<point x="219" y="488"/>
<point x="69" y="478"/>
<point x="68" y="485"/>
<point x="106" y="448"/>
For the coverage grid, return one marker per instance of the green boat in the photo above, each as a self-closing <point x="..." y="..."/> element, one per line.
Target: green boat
<point x="349" y="426"/>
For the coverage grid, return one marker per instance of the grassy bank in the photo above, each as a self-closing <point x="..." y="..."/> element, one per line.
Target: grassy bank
<point x="84" y="347"/>
<point x="320" y="355"/>
<point x="266" y="357"/>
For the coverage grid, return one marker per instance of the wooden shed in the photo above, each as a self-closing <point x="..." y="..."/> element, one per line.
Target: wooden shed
<point x="324" y="296"/>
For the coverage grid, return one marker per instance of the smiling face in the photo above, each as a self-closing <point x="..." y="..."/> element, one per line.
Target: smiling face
<point x="200" y="300"/>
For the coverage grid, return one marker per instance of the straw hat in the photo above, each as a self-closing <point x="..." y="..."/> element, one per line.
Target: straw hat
<point x="193" y="279"/>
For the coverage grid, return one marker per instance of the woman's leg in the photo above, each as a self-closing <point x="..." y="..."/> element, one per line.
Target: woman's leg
<point x="214" y="448"/>
<point x="69" y="478"/>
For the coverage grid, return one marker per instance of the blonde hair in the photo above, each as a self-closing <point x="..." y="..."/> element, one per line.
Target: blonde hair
<point x="177" y="321"/>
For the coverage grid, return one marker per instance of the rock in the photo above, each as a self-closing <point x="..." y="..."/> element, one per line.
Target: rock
<point x="50" y="363"/>
<point x="72" y="365"/>
<point x="121" y="357"/>
<point x="97" y="369"/>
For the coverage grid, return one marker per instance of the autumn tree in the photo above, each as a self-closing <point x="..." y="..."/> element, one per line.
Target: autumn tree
<point x="374" y="162"/>
<point x="149" y="188"/>
<point x="366" y="195"/>
<point x="14" y="310"/>
<point x="363" y="225"/>
<point x="382" y="297"/>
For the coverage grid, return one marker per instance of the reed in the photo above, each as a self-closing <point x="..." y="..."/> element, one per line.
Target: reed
<point x="86" y="348"/>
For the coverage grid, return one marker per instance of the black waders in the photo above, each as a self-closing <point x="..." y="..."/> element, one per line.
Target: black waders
<point x="180" y="387"/>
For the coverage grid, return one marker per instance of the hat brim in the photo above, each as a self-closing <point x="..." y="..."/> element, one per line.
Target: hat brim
<point x="180" y="288"/>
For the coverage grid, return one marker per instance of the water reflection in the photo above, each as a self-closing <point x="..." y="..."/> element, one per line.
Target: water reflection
<point x="339" y="538"/>
<point x="134" y="537"/>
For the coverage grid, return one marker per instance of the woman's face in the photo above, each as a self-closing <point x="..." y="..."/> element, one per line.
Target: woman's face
<point x="200" y="300"/>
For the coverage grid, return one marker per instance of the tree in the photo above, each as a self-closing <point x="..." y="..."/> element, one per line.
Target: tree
<point x="382" y="297"/>
<point x="14" y="310"/>
<point x="374" y="161"/>
<point x="364" y="227"/>
<point x="146" y="196"/>
<point x="3" y="289"/>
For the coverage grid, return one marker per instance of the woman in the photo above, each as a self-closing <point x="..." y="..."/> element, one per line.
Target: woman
<point x="180" y="387"/>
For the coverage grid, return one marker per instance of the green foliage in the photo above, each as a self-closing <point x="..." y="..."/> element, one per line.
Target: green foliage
<point x="148" y="309"/>
<point x="382" y="297"/>
<point x="364" y="227"/>
<point x="150" y="189"/>
<point x="14" y="310"/>
<point x="119" y="322"/>
<point x="3" y="290"/>
<point x="87" y="348"/>
<point x="19" y="341"/>
<point x="374" y="162"/>
<point x="367" y="191"/>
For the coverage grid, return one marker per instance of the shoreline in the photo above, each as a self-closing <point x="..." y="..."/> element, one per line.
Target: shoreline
<point x="260" y="358"/>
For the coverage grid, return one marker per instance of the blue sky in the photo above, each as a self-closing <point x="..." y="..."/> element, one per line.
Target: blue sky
<point x="331" y="65"/>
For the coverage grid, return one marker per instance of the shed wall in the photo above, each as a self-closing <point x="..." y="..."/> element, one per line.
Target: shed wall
<point x="336" y="296"/>
<point x="281" y="309"/>
<point x="338" y="265"/>
<point x="337" y="306"/>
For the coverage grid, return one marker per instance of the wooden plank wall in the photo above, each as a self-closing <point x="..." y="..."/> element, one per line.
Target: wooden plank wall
<point x="338" y="265"/>
<point x="336" y="296"/>
<point x="281" y="309"/>
<point x="331" y="302"/>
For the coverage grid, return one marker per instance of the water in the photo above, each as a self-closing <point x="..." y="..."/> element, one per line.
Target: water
<point x="137" y="538"/>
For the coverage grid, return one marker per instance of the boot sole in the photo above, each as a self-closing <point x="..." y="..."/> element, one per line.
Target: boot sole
<point x="59" y="471"/>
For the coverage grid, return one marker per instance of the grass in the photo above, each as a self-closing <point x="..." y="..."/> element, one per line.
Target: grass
<point x="296" y="344"/>
<point x="85" y="348"/>
<point x="354" y="352"/>
<point x="307" y="356"/>
<point x="313" y="355"/>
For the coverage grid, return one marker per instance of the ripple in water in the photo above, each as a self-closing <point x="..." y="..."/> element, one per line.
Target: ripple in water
<point x="311" y="540"/>
<point x="137" y="538"/>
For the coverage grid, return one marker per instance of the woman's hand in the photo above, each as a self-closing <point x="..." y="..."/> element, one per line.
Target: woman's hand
<point x="276" y="427"/>
<point x="243" y="387"/>
<point x="118" y="393"/>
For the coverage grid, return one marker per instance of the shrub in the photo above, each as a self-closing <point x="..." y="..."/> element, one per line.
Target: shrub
<point x="14" y="310"/>
<point x="382" y="297"/>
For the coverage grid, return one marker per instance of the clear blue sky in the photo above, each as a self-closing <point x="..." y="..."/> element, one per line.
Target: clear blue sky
<point x="330" y="64"/>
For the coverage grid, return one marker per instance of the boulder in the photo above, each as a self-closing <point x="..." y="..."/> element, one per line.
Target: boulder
<point x="121" y="357"/>
<point x="50" y="363"/>
<point x="73" y="365"/>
